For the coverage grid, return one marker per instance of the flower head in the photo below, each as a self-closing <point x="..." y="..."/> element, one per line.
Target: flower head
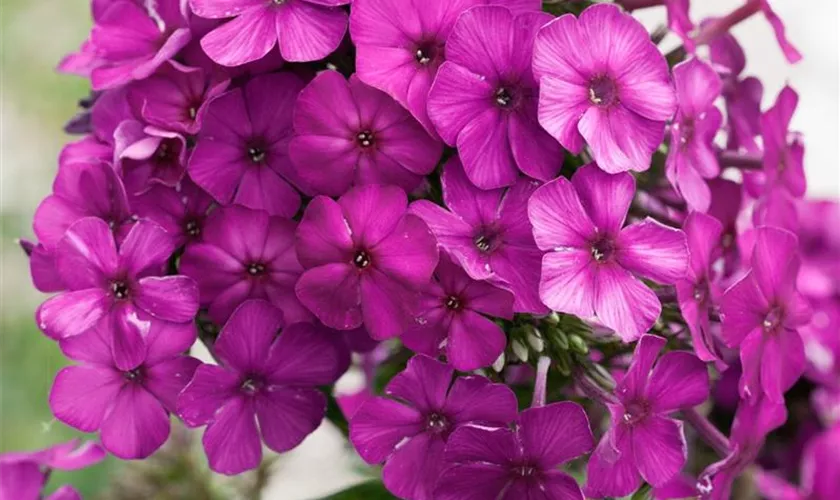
<point x="245" y="254"/>
<point x="642" y="439"/>
<point x="364" y="259"/>
<point x="484" y="98"/>
<point x="262" y="378"/>
<point x="521" y="463"/>
<point x="305" y="30"/>
<point x="488" y="233"/>
<point x="350" y="134"/>
<point x="241" y="153"/>
<point x="450" y="318"/>
<point x="592" y="264"/>
<point x="129" y="406"/>
<point x="408" y="430"/>
<point x="604" y="82"/>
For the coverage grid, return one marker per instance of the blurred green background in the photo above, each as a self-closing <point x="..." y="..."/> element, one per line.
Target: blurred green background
<point x="34" y="103"/>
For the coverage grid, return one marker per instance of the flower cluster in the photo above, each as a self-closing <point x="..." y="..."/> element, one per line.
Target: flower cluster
<point x="471" y="197"/>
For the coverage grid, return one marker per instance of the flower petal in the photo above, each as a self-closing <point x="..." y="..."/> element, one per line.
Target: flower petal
<point x="424" y="383"/>
<point x="605" y="197"/>
<point x="476" y="400"/>
<point x="231" y="441"/>
<point x="136" y="426"/>
<point x="659" y="449"/>
<point x="247" y="38"/>
<point x="568" y="282"/>
<point x="380" y="425"/>
<point x="625" y="304"/>
<point x="72" y="313"/>
<point x="288" y="414"/>
<point x="555" y="434"/>
<point x="248" y="335"/>
<point x="414" y="468"/>
<point x="654" y="251"/>
<point x="679" y="380"/>
<point x="308" y="32"/>
<point x="81" y="396"/>
<point x="620" y="139"/>
<point x="210" y="388"/>
<point x="171" y="298"/>
<point x="558" y="216"/>
<point x="457" y="97"/>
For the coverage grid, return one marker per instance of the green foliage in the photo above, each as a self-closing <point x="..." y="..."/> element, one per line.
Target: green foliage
<point x="370" y="490"/>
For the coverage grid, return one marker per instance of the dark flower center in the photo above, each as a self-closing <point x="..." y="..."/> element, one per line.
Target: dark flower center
<point x="425" y="53"/>
<point x="773" y="320"/>
<point x="686" y="133"/>
<point x="361" y="259"/>
<point x="602" y="249"/>
<point x="365" y="138"/>
<point x="525" y="470"/>
<point x="135" y="375"/>
<point x="452" y="302"/>
<point x="192" y="228"/>
<point x="251" y="385"/>
<point x="602" y="91"/>
<point x="192" y="112"/>
<point x="700" y="292"/>
<point x="256" y="153"/>
<point x="437" y="423"/>
<point x="119" y="289"/>
<point x="278" y="2"/>
<point x="635" y="411"/>
<point x="256" y="269"/>
<point x="503" y="97"/>
<point x="167" y="152"/>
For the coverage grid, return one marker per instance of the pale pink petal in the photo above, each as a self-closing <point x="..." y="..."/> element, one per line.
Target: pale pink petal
<point x="621" y="140"/>
<point x="558" y="217"/>
<point x="624" y="303"/>
<point x="567" y="282"/>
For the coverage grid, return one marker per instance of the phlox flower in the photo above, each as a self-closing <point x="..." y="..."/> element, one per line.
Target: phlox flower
<point x="409" y="428"/>
<point x="820" y="469"/>
<point x="364" y="259"/>
<point x="484" y="98"/>
<point x="263" y="378"/>
<point x="783" y="150"/>
<point x="593" y="264"/>
<point x="304" y="30"/>
<point x="488" y="233"/>
<point x="129" y="405"/>
<point x="24" y="474"/>
<point x="348" y="133"/>
<point x="604" y="82"/>
<point x="241" y="152"/>
<point x="450" y="318"/>
<point x="147" y="155"/>
<point x="642" y="438"/>
<point x="181" y="210"/>
<point x="518" y="464"/>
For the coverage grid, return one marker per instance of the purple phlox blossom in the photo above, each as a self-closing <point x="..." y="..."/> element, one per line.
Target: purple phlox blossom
<point x="681" y="486"/>
<point x="123" y="288"/>
<point x="699" y="292"/>
<point x="365" y="258"/>
<point x="818" y="477"/>
<point x="753" y="421"/>
<point x="604" y="82"/>
<point x="24" y="474"/>
<point x="175" y="98"/>
<point x="181" y="210"/>
<point x="146" y="155"/>
<point x="784" y="151"/>
<point x="129" y="405"/>
<point x="692" y="157"/>
<point x="726" y="205"/>
<point x="761" y="315"/>
<point x="111" y="108"/>
<point x="400" y="44"/>
<point x="776" y="208"/>
<point x="450" y="319"/>
<point x="262" y="378"/>
<point x="348" y="133"/>
<point x="488" y="233"/>
<point x="304" y="30"/>
<point x="484" y="98"/>
<point x="642" y="438"/>
<point x="822" y="351"/>
<point x="42" y="267"/>
<point x="593" y="265"/>
<point x="409" y="428"/>
<point x="130" y="40"/>
<point x="679" y="20"/>
<point x="241" y="153"/>
<point x="819" y="243"/>
<point x="245" y="254"/>
<point x="518" y="464"/>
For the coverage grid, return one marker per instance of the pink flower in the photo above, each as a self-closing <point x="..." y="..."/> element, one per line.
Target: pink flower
<point x="24" y="475"/>
<point x="305" y="30"/>
<point x="181" y="210"/>
<point x="147" y="155"/>
<point x="604" y="82"/>
<point x="263" y="378"/>
<point x="592" y="263"/>
<point x="783" y="150"/>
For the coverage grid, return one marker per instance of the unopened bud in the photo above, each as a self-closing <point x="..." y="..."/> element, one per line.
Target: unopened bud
<point x="535" y="340"/>
<point x="499" y="364"/>
<point x="520" y="350"/>
<point x="578" y="344"/>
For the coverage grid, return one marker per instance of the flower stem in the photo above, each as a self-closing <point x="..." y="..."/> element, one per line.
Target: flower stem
<point x="541" y="382"/>
<point x="707" y="431"/>
<point x="742" y="161"/>
<point x="723" y="24"/>
<point x="631" y="5"/>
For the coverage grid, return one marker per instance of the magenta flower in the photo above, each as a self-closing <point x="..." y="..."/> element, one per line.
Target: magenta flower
<point x="241" y="153"/>
<point x="518" y="464"/>
<point x="125" y="287"/>
<point x="351" y="134"/>
<point x="133" y="39"/>
<point x="264" y="378"/>
<point x="24" y="474"/>
<point x="761" y="314"/>
<point x="642" y="439"/>
<point x="783" y="150"/>
<point x="484" y="98"/>
<point x="364" y="259"/>
<point x="614" y="96"/>
<point x="400" y="45"/>
<point x="450" y="319"/>
<point x="181" y="210"/>
<point x="245" y="254"/>
<point x="692" y="156"/>
<point x="592" y="265"/>
<point x="305" y="30"/>
<point x="488" y="233"/>
<point x="147" y="155"/>
<point x="699" y="291"/>
<point x="409" y="429"/>
<point x="820" y="469"/>
<point x="82" y="190"/>
<point x="130" y="406"/>
<point x="176" y="97"/>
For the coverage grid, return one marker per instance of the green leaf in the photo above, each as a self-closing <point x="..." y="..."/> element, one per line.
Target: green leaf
<point x="370" y="490"/>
